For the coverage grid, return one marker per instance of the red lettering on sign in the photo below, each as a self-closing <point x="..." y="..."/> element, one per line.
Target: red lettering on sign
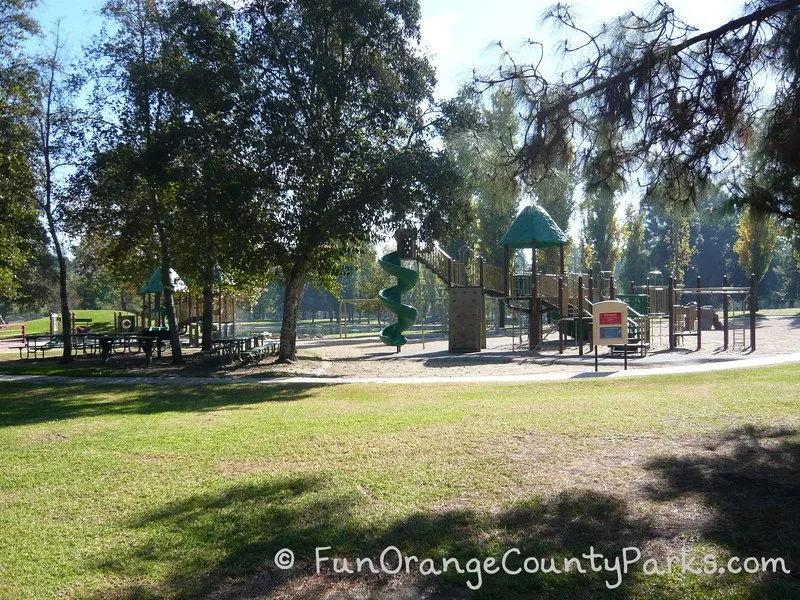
<point x="614" y="318"/>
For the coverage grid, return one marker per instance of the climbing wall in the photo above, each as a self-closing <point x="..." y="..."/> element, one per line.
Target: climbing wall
<point x="467" y="328"/>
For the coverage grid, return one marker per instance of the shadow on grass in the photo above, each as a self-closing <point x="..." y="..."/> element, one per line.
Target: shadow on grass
<point x="750" y="478"/>
<point x="24" y="403"/>
<point x="222" y="544"/>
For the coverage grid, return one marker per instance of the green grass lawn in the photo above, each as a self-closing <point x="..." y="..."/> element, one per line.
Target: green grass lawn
<point x="102" y="321"/>
<point x="189" y="491"/>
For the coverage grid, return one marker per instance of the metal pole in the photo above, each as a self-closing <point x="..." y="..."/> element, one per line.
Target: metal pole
<point x="699" y="300"/>
<point x="671" y="312"/>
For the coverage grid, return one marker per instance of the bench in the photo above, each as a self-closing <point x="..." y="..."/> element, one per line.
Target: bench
<point x="81" y="325"/>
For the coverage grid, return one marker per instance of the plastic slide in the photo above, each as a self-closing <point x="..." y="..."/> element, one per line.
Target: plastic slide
<point x="391" y="297"/>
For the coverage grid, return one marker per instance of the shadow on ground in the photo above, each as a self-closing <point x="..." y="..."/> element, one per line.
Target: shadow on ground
<point x="750" y="478"/>
<point x="24" y="403"/>
<point x="222" y="545"/>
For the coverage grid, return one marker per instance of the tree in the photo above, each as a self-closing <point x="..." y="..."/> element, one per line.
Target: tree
<point x="601" y="231"/>
<point x="18" y="218"/>
<point x="103" y="280"/>
<point x="57" y="146"/>
<point x="669" y="226"/>
<point x="170" y="180"/>
<point x="635" y="257"/>
<point x="216" y="209"/>
<point x="479" y="140"/>
<point x="685" y="101"/>
<point x="556" y="194"/>
<point x="131" y="182"/>
<point x="758" y="233"/>
<point x="338" y="92"/>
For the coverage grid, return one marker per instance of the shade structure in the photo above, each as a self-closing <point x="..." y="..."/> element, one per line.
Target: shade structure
<point x="154" y="285"/>
<point x="533" y="227"/>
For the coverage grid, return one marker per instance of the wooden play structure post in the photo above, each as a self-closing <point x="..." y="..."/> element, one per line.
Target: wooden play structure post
<point x="591" y="289"/>
<point x="534" y="323"/>
<point x="753" y="312"/>
<point x="725" y="307"/>
<point x="671" y="312"/>
<point x="612" y="292"/>
<point x="449" y="272"/>
<point x="506" y="276"/>
<point x="533" y="228"/>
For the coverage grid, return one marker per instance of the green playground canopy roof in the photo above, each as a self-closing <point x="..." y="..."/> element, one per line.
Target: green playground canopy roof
<point x="534" y="227"/>
<point x="154" y="283"/>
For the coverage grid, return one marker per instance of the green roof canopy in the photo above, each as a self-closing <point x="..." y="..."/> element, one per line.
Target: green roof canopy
<point x="154" y="283"/>
<point x="534" y="227"/>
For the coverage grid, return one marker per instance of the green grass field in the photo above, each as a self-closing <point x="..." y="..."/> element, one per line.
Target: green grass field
<point x="102" y="321"/>
<point x="168" y="492"/>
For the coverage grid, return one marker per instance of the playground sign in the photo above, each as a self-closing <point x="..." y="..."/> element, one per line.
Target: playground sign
<point x="610" y="323"/>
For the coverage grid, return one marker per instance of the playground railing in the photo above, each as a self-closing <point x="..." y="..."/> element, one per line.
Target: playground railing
<point x="458" y="274"/>
<point x="437" y="260"/>
<point x="493" y="278"/>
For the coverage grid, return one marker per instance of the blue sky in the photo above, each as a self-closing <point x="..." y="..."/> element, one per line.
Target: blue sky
<point x="462" y="34"/>
<point x="458" y="34"/>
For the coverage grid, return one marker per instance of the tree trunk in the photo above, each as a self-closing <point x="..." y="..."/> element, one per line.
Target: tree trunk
<point x="207" y="324"/>
<point x="66" y="315"/>
<point x="295" y="284"/>
<point x="166" y="283"/>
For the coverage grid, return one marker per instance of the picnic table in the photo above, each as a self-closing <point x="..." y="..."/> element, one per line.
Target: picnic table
<point x="39" y="343"/>
<point x="244" y="349"/>
<point x="147" y="341"/>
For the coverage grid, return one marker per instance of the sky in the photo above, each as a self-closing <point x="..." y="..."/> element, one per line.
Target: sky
<point x="462" y="35"/>
<point x="458" y="35"/>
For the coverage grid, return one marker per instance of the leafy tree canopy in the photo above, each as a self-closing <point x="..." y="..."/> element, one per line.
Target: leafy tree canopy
<point x="686" y="101"/>
<point x="18" y="222"/>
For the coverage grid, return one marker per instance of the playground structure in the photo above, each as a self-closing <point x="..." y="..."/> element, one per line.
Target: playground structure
<point x="391" y="297"/>
<point x="561" y="304"/>
<point x="188" y="310"/>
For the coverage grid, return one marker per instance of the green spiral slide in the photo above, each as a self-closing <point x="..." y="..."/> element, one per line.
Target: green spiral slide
<point x="391" y="298"/>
